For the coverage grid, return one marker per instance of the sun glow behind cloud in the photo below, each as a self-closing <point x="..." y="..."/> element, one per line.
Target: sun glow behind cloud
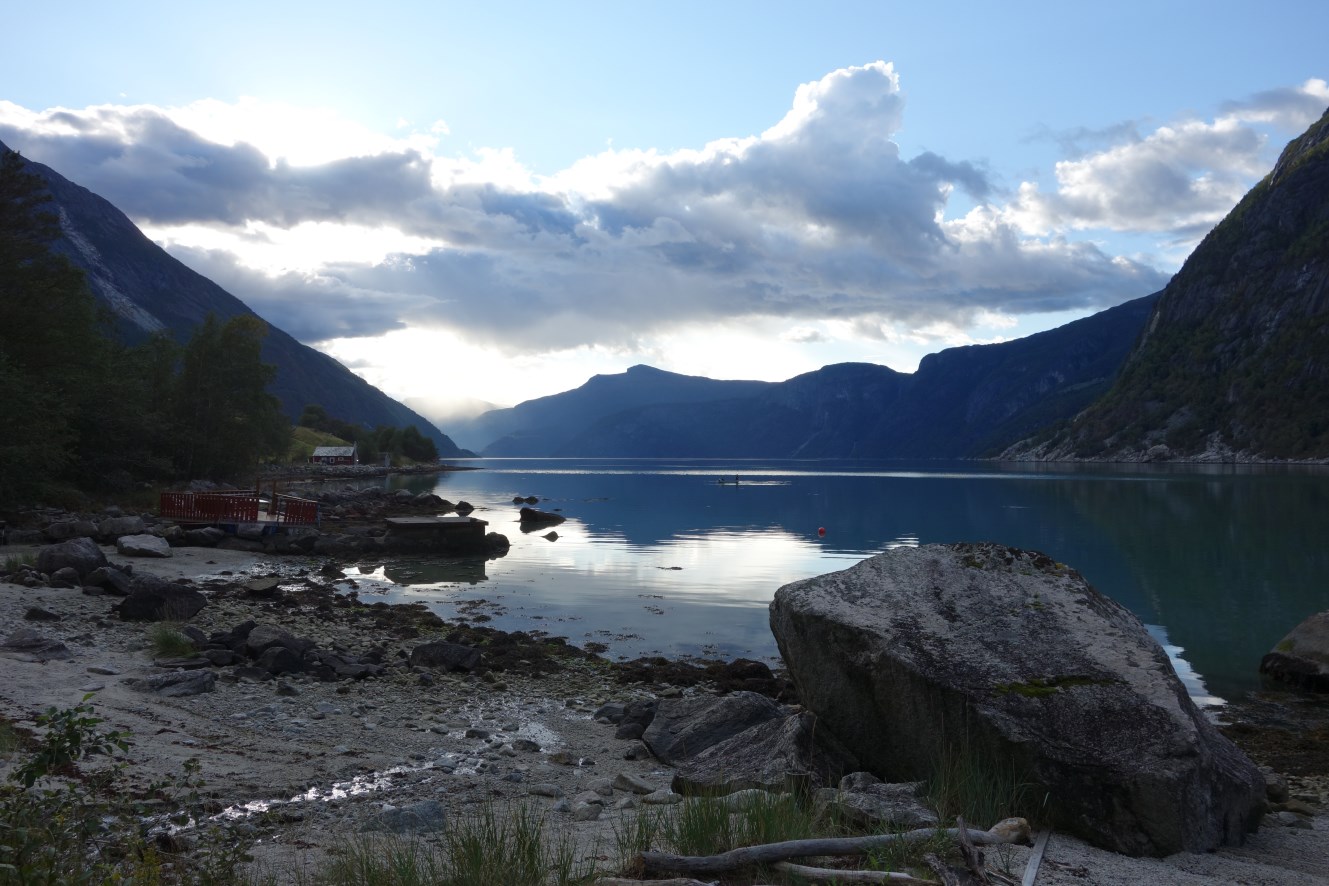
<point x="752" y="256"/>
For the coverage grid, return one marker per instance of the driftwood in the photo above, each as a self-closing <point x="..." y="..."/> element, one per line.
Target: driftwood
<point x="1036" y="858"/>
<point x="676" y="881"/>
<point x="1009" y="831"/>
<point x="840" y="875"/>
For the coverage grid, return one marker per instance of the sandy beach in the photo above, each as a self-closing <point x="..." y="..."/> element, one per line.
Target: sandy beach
<point x="326" y="759"/>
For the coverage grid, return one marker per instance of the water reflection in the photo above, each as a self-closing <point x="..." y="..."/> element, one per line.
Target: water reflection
<point x="657" y="557"/>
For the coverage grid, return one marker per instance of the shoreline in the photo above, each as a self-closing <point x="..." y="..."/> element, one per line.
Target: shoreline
<point x="300" y="738"/>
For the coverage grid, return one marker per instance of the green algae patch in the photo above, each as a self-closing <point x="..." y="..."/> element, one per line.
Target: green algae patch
<point x="1040" y="687"/>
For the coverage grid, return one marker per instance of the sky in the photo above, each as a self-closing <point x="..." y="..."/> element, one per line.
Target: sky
<point x="485" y="203"/>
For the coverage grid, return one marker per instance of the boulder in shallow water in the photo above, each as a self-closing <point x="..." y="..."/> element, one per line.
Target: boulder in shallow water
<point x="1014" y="658"/>
<point x="1301" y="659"/>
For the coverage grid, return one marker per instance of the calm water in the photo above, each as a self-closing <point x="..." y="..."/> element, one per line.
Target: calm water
<point x="656" y="557"/>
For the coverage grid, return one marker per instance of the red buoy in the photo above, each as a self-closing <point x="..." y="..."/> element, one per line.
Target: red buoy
<point x="821" y="530"/>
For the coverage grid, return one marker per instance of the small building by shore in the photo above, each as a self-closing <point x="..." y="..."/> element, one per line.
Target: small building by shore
<point x="333" y="455"/>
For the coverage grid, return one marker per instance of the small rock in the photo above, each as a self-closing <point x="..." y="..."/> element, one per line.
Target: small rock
<point x="544" y="789"/>
<point x="586" y="811"/>
<point x="626" y="781"/>
<point x="662" y="797"/>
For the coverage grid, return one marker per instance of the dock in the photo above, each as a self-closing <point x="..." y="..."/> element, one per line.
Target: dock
<point x="437" y="533"/>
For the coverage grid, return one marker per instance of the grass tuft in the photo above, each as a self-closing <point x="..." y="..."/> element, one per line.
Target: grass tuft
<point x="167" y="641"/>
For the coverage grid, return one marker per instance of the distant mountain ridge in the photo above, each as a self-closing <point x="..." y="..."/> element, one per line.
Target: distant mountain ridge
<point x="962" y="402"/>
<point x="1234" y="362"/>
<point x="149" y="291"/>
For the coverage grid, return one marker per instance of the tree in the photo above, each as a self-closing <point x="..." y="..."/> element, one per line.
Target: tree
<point x="225" y="419"/>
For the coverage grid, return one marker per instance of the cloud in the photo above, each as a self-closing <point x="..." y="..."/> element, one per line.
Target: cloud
<point x="818" y="218"/>
<point x="1178" y="180"/>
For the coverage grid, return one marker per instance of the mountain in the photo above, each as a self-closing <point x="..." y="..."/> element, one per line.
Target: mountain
<point x="543" y="426"/>
<point x="1234" y="362"/>
<point x="148" y="291"/>
<point x="961" y="402"/>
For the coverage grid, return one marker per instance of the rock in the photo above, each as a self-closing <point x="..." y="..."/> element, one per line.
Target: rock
<point x="427" y="815"/>
<point x="142" y="546"/>
<point x="1040" y="673"/>
<point x="611" y="712"/>
<point x="626" y="781"/>
<point x="280" y="660"/>
<point x="70" y="529"/>
<point x="586" y="811"/>
<point x="879" y="807"/>
<point x="155" y="599"/>
<point x="29" y="642"/>
<point x="66" y="577"/>
<point x="662" y="797"/>
<point x="531" y="516"/>
<point x="176" y="684"/>
<point x="496" y="542"/>
<point x="1301" y="659"/>
<point x="637" y="751"/>
<point x="544" y="789"/>
<point x="629" y="731"/>
<point x="265" y="588"/>
<point x="36" y="613"/>
<point x="113" y="528"/>
<point x="111" y="580"/>
<point x="80" y="553"/>
<point x="260" y="638"/>
<point x="449" y="656"/>
<point x="203" y="537"/>
<point x="682" y="728"/>
<point x="774" y="755"/>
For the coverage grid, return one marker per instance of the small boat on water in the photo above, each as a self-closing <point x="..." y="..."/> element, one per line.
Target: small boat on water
<point x="725" y="482"/>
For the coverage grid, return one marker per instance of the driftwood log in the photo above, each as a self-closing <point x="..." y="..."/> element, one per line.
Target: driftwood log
<point x="1011" y="830"/>
<point x="840" y="875"/>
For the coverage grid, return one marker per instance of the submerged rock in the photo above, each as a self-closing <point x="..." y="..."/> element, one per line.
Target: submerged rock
<point x="1015" y="659"/>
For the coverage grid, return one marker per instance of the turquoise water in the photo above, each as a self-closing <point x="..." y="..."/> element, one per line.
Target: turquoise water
<point x="657" y="557"/>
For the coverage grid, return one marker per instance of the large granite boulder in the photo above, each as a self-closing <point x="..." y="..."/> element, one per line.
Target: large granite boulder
<point x="1033" y="669"/>
<point x="82" y="554"/>
<point x="1301" y="659"/>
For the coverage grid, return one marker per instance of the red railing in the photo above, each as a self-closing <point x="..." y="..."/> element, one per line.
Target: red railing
<point x="210" y="507"/>
<point x="237" y="507"/>
<point x="291" y="511"/>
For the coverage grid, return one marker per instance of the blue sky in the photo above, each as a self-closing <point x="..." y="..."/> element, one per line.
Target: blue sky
<point x="541" y="192"/>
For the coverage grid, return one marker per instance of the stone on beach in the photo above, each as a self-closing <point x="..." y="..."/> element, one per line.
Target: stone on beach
<point x="1019" y="661"/>
<point x="142" y="546"/>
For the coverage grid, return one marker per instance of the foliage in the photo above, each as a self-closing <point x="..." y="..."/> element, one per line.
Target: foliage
<point x="225" y="419"/>
<point x="167" y="641"/>
<point x="399" y="443"/>
<point x="84" y="412"/>
<point x="966" y="782"/>
<point x="62" y="825"/>
<point x="484" y="847"/>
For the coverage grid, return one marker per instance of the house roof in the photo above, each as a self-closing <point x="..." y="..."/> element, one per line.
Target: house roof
<point x="334" y="451"/>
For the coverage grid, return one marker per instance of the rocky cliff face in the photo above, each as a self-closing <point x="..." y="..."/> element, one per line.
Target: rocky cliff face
<point x="1234" y="362"/>
<point x="148" y="291"/>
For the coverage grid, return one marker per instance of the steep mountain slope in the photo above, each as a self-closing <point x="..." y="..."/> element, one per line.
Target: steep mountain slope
<point x="1234" y="362"/>
<point x="149" y="291"/>
<point x="961" y="402"/>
